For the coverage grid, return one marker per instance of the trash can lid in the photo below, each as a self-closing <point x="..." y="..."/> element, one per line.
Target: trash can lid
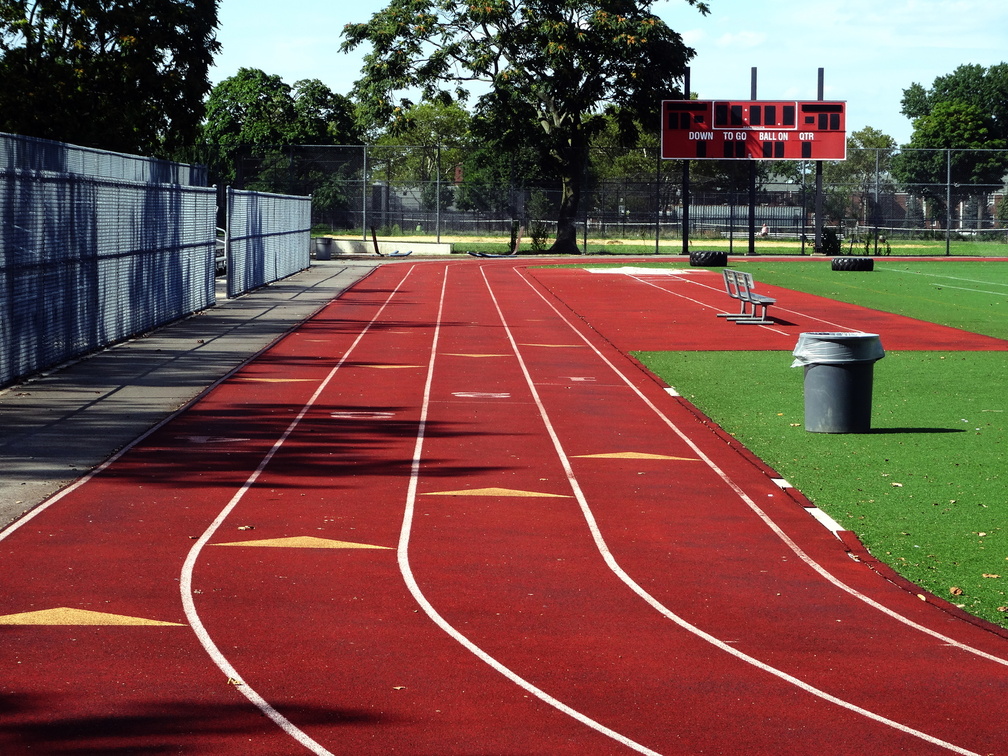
<point x="837" y="348"/>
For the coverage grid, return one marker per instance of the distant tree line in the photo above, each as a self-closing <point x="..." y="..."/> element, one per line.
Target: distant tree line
<point x="571" y="90"/>
<point x="130" y="77"/>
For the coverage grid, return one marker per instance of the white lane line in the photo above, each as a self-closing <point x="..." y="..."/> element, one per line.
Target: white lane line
<point x="190" y="563"/>
<point x="435" y="616"/>
<point x="614" y="566"/>
<point x="759" y="512"/>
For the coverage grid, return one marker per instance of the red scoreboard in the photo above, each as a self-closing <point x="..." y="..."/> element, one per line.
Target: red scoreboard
<point x="753" y="130"/>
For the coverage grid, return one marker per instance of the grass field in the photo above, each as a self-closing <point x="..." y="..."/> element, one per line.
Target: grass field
<point x="926" y="490"/>
<point x="962" y="247"/>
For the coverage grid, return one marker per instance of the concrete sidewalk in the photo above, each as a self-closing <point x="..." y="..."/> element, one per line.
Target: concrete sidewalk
<point x="56" y="427"/>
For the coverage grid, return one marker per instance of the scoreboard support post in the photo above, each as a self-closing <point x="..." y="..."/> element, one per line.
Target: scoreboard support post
<point x="818" y="185"/>
<point x="754" y="130"/>
<point x="685" y="178"/>
<point x="752" y="178"/>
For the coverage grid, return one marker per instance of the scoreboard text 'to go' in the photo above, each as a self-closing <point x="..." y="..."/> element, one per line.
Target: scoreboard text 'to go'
<point x="753" y="130"/>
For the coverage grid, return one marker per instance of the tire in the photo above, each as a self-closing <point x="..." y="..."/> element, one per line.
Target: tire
<point x="853" y="263"/>
<point x="708" y="259"/>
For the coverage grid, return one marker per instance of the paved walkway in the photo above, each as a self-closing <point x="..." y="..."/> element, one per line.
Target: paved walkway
<point x="56" y="427"/>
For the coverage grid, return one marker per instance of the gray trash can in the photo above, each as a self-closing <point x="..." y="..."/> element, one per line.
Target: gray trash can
<point x="839" y="368"/>
<point x="323" y="248"/>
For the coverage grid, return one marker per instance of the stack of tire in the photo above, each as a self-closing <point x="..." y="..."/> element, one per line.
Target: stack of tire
<point x="708" y="259"/>
<point x="853" y="263"/>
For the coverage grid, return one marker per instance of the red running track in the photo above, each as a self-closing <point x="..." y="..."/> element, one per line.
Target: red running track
<point x="447" y="516"/>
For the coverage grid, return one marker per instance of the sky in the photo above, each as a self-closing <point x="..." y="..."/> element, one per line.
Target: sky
<point x="870" y="50"/>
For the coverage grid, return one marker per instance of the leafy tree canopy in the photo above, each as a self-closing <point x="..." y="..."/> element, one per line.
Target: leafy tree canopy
<point x="255" y="112"/>
<point x="430" y="124"/>
<point x="567" y="60"/>
<point x="866" y="169"/>
<point x="966" y="112"/>
<point x="985" y="89"/>
<point x="975" y="165"/>
<point x="115" y="75"/>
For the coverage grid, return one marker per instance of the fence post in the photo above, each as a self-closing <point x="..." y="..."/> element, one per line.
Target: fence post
<point x="437" y="191"/>
<point x="948" y="202"/>
<point x="364" y="196"/>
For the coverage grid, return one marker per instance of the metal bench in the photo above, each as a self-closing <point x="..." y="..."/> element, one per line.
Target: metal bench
<point x="739" y="285"/>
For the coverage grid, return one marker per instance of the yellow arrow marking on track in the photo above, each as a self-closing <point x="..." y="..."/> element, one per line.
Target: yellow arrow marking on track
<point x="556" y="346"/>
<point x="496" y="492"/>
<point x="66" y="616"/>
<point x="634" y="455"/>
<point x="249" y="379"/>
<point x="303" y="542"/>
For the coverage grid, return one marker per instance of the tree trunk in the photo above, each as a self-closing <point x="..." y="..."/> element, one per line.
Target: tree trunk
<point x="570" y="201"/>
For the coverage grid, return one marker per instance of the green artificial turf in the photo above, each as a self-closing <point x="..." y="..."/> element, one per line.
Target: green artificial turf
<point x="963" y="294"/>
<point x="925" y="490"/>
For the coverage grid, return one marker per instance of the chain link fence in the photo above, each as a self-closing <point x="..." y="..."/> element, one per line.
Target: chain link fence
<point x="267" y="238"/>
<point x="30" y="153"/>
<point x="86" y="262"/>
<point x="97" y="247"/>
<point x="890" y="194"/>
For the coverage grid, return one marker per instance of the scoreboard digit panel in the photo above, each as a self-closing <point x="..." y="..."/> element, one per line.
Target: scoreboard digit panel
<point x="753" y="130"/>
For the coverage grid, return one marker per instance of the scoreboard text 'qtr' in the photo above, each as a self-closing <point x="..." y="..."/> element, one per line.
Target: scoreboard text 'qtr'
<point x="753" y="130"/>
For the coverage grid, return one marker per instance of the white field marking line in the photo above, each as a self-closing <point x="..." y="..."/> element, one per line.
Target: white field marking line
<point x="653" y="602"/>
<point x="760" y="513"/>
<point x="975" y="291"/>
<point x="402" y="554"/>
<point x="950" y="278"/>
<point x="190" y="563"/>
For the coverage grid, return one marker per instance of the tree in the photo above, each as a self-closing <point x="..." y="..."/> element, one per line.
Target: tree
<point x="958" y="125"/>
<point x="566" y="59"/>
<point x="984" y="88"/>
<point x="254" y="113"/>
<point x="623" y="172"/>
<point x="426" y="139"/>
<point x="323" y="116"/>
<point x="123" y="76"/>
<point x="506" y="158"/>
<point x="863" y="174"/>
<point x="952" y="143"/>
